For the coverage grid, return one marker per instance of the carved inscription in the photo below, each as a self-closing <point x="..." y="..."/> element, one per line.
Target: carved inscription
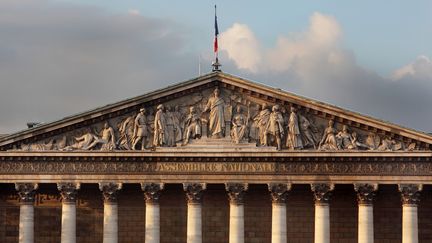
<point x="333" y="168"/>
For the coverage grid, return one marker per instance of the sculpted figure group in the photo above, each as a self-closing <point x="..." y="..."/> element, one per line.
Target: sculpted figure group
<point x="168" y="126"/>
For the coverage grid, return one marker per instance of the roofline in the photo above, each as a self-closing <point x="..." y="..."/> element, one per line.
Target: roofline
<point x="229" y="79"/>
<point x="96" y="112"/>
<point x="335" y="110"/>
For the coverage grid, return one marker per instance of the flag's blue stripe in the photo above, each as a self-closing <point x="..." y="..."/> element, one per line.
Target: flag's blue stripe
<point x="216" y="27"/>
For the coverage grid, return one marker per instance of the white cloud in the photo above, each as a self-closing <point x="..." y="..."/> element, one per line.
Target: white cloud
<point x="134" y="12"/>
<point x="318" y="43"/>
<point x="314" y="63"/>
<point x="421" y="68"/>
<point x="242" y="47"/>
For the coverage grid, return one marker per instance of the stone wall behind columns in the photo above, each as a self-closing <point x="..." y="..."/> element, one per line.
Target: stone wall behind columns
<point x="300" y="214"/>
<point x="131" y="214"/>
<point x="343" y="214"/>
<point x="388" y="214"/>
<point x="215" y="212"/>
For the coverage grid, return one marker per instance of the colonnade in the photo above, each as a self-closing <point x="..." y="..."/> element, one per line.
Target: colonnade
<point x="410" y="195"/>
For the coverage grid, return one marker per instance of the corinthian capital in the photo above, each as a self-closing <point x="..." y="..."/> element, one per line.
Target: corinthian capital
<point x="279" y="191"/>
<point x="365" y="193"/>
<point x="152" y="191"/>
<point x="236" y="192"/>
<point x="109" y="191"/>
<point x="26" y="192"/>
<point x="322" y="192"/>
<point x="410" y="193"/>
<point x="194" y="191"/>
<point x="68" y="191"/>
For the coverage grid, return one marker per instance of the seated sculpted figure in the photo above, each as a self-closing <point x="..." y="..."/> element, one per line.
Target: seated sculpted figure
<point x="345" y="140"/>
<point x="239" y="126"/>
<point x="107" y="140"/>
<point x="328" y="141"/>
<point x="192" y="126"/>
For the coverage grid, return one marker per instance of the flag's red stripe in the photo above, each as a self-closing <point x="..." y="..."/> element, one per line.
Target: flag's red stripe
<point x="215" y="47"/>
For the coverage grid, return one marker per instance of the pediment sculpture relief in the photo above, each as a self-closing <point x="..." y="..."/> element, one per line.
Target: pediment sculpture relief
<point x="221" y="115"/>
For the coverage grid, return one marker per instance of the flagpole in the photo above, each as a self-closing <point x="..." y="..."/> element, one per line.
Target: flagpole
<point x="217" y="50"/>
<point x="216" y="65"/>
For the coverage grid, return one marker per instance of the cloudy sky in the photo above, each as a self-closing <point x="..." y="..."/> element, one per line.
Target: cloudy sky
<point x="60" y="57"/>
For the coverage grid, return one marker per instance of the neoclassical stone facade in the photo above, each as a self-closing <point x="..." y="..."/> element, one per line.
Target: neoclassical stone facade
<point x="216" y="159"/>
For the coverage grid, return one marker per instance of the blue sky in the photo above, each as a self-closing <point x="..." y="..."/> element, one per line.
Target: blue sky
<point x="383" y="34"/>
<point x="61" y="57"/>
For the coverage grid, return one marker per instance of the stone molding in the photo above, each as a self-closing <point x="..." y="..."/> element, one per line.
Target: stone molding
<point x="26" y="192"/>
<point x="110" y="191"/>
<point x="178" y="165"/>
<point x="410" y="194"/>
<point x="365" y="193"/>
<point x="322" y="192"/>
<point x="152" y="191"/>
<point x="68" y="191"/>
<point x="236" y="192"/>
<point x="194" y="191"/>
<point x="279" y="191"/>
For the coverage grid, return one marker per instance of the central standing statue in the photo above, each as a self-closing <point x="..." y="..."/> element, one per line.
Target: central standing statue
<point x="216" y="106"/>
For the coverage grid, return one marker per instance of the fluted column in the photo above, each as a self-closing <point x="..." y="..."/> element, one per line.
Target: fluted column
<point x="152" y="193"/>
<point x="410" y="195"/>
<point x="110" y="226"/>
<point x="194" y="193"/>
<point x="68" y="192"/>
<point x="365" y="197"/>
<point x="322" y="193"/>
<point x="279" y="194"/>
<point x="26" y="193"/>
<point x="236" y="193"/>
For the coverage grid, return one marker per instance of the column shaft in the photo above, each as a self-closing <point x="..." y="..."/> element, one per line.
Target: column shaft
<point x="409" y="224"/>
<point x="279" y="226"/>
<point x="194" y="225"/>
<point x="152" y="223"/>
<point x="110" y="224"/>
<point x="365" y="223"/>
<point x="68" y="232"/>
<point x="110" y="234"/>
<point x="322" y="223"/>
<point x="26" y="224"/>
<point x="236" y="193"/>
<point x="236" y="224"/>
<point x="152" y="192"/>
<point x="26" y="194"/>
<point x="410" y="195"/>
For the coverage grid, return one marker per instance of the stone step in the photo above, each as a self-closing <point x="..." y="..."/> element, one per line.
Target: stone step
<point x="215" y="149"/>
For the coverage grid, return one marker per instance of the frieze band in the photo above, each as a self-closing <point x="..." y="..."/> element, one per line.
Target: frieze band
<point x="287" y="168"/>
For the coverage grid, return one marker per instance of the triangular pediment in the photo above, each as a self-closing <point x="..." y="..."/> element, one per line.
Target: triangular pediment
<point x="235" y="120"/>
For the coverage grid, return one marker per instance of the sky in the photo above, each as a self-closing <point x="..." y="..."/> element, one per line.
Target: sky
<point x="61" y="57"/>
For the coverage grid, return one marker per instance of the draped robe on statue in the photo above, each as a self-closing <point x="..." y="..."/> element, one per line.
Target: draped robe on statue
<point x="217" y="121"/>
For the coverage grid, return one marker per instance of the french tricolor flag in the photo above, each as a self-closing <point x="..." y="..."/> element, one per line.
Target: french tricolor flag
<point x="215" y="44"/>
